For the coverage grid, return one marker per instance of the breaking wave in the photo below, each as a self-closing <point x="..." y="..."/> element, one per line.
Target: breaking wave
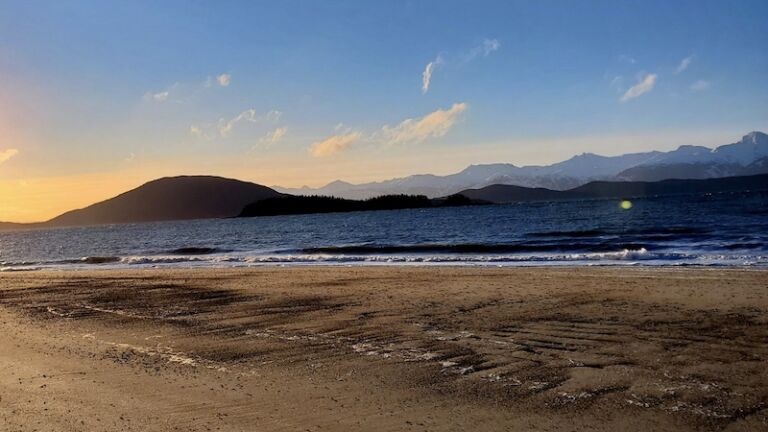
<point x="624" y="257"/>
<point x="193" y="250"/>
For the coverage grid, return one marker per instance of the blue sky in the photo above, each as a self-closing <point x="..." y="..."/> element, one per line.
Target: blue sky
<point x="318" y="90"/>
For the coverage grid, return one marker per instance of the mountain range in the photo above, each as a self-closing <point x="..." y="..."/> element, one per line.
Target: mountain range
<point x="748" y="156"/>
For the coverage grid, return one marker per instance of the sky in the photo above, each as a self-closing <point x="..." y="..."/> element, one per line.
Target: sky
<point x="98" y="97"/>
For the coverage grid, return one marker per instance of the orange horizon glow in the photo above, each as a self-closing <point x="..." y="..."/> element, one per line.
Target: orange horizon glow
<point x="37" y="198"/>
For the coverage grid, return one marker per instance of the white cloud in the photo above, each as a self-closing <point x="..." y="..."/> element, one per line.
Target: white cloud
<point x="426" y="76"/>
<point x="274" y="137"/>
<point x="225" y="127"/>
<point x="224" y="79"/>
<point x="684" y="63"/>
<point x="157" y="97"/>
<point x="700" y="85"/>
<point x="333" y="145"/>
<point x="432" y="125"/>
<point x="5" y="155"/>
<point x="643" y="86"/>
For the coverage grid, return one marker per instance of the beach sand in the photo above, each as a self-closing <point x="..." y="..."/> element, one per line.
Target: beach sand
<point x="385" y="349"/>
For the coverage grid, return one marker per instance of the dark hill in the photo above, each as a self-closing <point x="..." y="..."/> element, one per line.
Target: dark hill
<point x="171" y="198"/>
<point x="604" y="189"/>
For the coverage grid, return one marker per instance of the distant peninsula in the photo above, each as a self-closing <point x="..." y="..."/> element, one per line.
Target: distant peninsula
<point x="294" y="204"/>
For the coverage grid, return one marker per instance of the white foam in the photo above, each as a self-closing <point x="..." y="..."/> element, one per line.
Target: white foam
<point x="636" y="257"/>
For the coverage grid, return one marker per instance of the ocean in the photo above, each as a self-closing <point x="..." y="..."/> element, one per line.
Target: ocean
<point x="729" y="229"/>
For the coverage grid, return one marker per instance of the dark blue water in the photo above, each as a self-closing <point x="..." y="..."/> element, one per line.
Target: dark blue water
<point x="719" y="229"/>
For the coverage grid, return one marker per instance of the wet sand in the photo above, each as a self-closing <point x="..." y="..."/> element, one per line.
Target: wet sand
<point x="385" y="349"/>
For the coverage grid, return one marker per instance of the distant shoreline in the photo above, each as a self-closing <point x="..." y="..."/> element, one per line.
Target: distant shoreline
<point x="203" y="198"/>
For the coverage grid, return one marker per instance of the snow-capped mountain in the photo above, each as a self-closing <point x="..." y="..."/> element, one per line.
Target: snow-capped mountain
<point x="746" y="157"/>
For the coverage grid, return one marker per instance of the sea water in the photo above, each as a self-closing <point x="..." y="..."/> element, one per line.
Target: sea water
<point x="729" y="229"/>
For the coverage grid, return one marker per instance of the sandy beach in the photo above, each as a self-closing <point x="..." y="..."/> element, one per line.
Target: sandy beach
<point x="385" y="349"/>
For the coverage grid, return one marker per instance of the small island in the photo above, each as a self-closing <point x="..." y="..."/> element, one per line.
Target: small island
<point x="294" y="204"/>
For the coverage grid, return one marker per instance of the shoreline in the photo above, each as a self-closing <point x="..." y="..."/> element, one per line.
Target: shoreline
<point x="85" y="267"/>
<point x="139" y="269"/>
<point x="395" y="267"/>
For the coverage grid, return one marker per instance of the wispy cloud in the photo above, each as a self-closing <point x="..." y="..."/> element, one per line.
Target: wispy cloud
<point x="644" y="85"/>
<point x="179" y="92"/>
<point x="684" y="63"/>
<point x="198" y="132"/>
<point x="413" y="130"/>
<point x="224" y="79"/>
<point x="333" y="144"/>
<point x="490" y="45"/>
<point x="434" y="124"/>
<point x="5" y="155"/>
<point x="627" y="59"/>
<point x="700" y="85"/>
<point x="157" y="97"/>
<point x="273" y="137"/>
<point x="615" y="82"/>
<point x="225" y="127"/>
<point x="426" y="76"/>
<point x="484" y="49"/>
<point x="161" y="96"/>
